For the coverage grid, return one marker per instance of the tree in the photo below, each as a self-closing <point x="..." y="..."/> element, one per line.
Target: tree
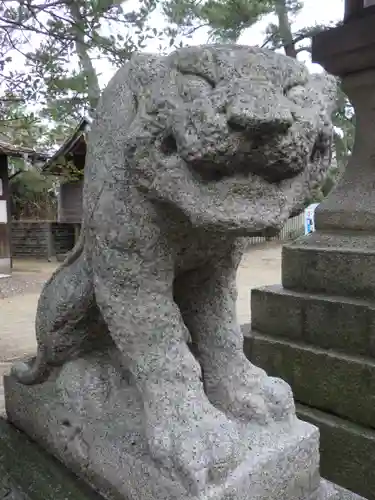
<point x="59" y="41"/>
<point x="48" y="60"/>
<point x="50" y="77"/>
<point x="227" y="20"/>
<point x="32" y="193"/>
<point x="22" y="127"/>
<point x="32" y="196"/>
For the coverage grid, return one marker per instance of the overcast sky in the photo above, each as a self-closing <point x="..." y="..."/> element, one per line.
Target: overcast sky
<point x="314" y="12"/>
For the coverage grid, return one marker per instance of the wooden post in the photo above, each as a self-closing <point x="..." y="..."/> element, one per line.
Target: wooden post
<point x="5" y="220"/>
<point x="353" y="8"/>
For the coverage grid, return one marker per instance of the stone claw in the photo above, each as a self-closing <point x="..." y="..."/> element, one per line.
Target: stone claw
<point x="201" y="449"/>
<point x="279" y="398"/>
<point x="247" y="394"/>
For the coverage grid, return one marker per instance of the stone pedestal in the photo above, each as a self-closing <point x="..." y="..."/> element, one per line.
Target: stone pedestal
<point x="93" y="424"/>
<point x="317" y="330"/>
<point x="322" y="344"/>
<point x="88" y="416"/>
<point x="29" y="473"/>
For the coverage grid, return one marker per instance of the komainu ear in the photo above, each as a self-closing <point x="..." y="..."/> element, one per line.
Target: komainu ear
<point x="327" y="86"/>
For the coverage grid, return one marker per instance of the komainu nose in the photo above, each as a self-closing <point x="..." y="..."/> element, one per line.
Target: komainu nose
<point x="269" y="118"/>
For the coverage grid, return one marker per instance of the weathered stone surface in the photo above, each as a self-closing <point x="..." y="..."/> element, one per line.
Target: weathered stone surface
<point x="329" y="491"/>
<point x="330" y="322"/>
<point x="350" y="207"/>
<point x="333" y="263"/>
<point x="323" y="345"/>
<point x="347" y="451"/>
<point x="323" y="379"/>
<point x="188" y="153"/>
<point x="28" y="473"/>
<point x="90" y="417"/>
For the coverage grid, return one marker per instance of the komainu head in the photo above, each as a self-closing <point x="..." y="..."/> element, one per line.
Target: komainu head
<point x="234" y="137"/>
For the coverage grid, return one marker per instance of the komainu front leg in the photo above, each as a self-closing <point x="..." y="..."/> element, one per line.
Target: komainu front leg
<point x="188" y="437"/>
<point x="207" y="299"/>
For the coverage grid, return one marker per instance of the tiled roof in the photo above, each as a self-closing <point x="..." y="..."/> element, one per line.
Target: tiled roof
<point x="51" y="166"/>
<point x="19" y="151"/>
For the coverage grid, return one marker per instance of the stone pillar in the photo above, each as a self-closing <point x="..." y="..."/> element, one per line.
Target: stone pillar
<point x="317" y="330"/>
<point x="351" y="206"/>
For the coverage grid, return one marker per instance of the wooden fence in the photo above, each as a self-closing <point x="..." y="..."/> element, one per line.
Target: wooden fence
<point x="292" y="229"/>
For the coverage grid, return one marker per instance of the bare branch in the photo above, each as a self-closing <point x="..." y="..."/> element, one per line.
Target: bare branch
<point x="305" y="48"/>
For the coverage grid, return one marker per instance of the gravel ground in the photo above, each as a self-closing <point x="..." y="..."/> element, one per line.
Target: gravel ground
<point x="20" y="284"/>
<point x="19" y="297"/>
<point x="27" y="277"/>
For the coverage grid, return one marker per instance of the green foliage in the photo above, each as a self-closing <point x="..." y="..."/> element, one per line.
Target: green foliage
<point x="22" y="127"/>
<point x="58" y="42"/>
<point x="32" y="196"/>
<point x="31" y="192"/>
<point x="69" y="172"/>
<point x="48" y="72"/>
<point x="226" y="18"/>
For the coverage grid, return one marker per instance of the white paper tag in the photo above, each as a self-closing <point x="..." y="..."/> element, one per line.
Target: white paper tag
<point x="3" y="212"/>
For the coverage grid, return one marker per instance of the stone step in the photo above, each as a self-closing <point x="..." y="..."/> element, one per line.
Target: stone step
<point x="333" y="382"/>
<point x="330" y="322"/>
<point x="347" y="451"/>
<point x="331" y="263"/>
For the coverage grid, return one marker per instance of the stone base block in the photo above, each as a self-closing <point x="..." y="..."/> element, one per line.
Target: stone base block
<point x="89" y="416"/>
<point x="347" y="451"/>
<point x="328" y="321"/>
<point x="333" y="382"/>
<point x="29" y="473"/>
<point x="329" y="491"/>
<point x="335" y="264"/>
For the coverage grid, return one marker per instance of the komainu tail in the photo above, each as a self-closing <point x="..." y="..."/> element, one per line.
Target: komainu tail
<point x="64" y="301"/>
<point x="35" y="372"/>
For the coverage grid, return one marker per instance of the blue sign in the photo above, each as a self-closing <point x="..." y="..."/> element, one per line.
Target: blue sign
<point x="310" y="218"/>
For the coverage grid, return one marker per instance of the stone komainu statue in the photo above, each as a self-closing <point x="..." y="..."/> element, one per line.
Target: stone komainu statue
<point x="188" y="154"/>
